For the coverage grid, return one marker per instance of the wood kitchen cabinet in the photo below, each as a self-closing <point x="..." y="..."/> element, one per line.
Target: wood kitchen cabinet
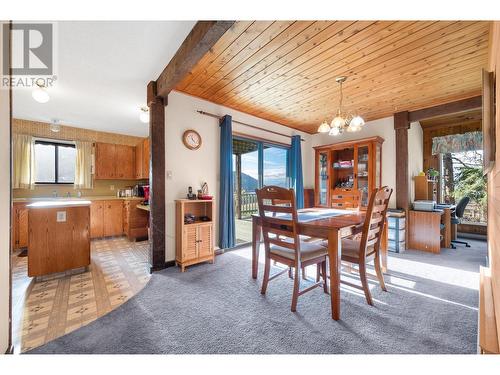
<point x="105" y="161"/>
<point x="97" y="219"/>
<point x="58" y="243"/>
<point x="106" y="218"/>
<point x="114" y="162"/>
<point x="19" y="226"/>
<point x="125" y="162"/>
<point x="135" y="220"/>
<point x="194" y="241"/>
<point x="142" y="160"/>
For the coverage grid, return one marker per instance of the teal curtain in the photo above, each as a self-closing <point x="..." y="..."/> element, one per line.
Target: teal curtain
<point x="227" y="236"/>
<point x="296" y="178"/>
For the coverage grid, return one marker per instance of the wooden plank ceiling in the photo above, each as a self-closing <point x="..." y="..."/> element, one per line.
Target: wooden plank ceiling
<point x="285" y="71"/>
<point x="472" y="117"/>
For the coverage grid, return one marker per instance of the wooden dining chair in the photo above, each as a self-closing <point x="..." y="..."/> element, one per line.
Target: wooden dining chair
<point x="367" y="248"/>
<point x="282" y="242"/>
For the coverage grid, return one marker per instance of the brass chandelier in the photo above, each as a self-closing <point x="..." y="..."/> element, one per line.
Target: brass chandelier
<point x="343" y="121"/>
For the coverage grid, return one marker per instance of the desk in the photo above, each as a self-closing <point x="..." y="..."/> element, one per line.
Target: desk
<point x="425" y="230"/>
<point x="333" y="228"/>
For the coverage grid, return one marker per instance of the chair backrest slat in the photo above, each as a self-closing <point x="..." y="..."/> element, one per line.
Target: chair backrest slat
<point x="375" y="220"/>
<point x="278" y="213"/>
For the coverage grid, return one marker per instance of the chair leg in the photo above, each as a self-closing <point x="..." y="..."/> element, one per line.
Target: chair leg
<point x="380" y="275"/>
<point x="325" y="279"/>
<point x="296" y="288"/>
<point x="364" y="282"/>
<point x="265" y="280"/>
<point x="304" y="276"/>
<point x="318" y="272"/>
<point x="290" y="273"/>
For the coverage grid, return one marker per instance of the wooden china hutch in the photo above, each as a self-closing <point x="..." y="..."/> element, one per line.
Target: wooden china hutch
<point x="345" y="167"/>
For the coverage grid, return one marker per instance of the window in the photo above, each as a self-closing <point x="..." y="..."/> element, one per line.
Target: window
<point x="54" y="162"/>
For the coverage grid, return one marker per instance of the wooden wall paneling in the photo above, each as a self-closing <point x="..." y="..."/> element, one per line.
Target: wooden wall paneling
<point x="494" y="183"/>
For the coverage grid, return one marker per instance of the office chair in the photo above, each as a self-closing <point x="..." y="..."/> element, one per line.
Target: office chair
<point x="459" y="213"/>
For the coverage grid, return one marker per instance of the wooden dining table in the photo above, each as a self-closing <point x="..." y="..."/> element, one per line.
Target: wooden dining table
<point x="324" y="223"/>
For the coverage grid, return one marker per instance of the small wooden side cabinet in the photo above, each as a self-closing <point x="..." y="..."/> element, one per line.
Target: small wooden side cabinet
<point x="194" y="242"/>
<point x="19" y="225"/>
<point x="424" y="231"/>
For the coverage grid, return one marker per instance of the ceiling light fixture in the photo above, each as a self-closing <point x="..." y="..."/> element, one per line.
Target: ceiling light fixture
<point x="342" y="121"/>
<point x="55" y="127"/>
<point x="40" y="93"/>
<point x="144" y="116"/>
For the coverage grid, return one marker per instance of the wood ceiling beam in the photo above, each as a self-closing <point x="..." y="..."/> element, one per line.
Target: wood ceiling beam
<point x="200" y="40"/>
<point x="446" y="109"/>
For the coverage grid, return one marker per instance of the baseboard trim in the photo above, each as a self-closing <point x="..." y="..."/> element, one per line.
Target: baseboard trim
<point x="167" y="264"/>
<point x="10" y="350"/>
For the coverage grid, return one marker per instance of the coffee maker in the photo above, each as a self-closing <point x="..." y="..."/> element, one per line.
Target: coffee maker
<point x="145" y="189"/>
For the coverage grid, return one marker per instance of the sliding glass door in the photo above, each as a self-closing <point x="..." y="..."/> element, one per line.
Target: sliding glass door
<point x="255" y="164"/>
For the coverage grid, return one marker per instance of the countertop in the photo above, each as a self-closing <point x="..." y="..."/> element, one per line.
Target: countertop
<point x="84" y="198"/>
<point x="59" y="204"/>
<point x="143" y="207"/>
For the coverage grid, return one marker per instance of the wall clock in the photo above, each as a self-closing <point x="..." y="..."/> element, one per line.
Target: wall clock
<point x="191" y="139"/>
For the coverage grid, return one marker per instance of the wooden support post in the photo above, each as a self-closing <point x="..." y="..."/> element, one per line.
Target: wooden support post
<point x="401" y="126"/>
<point x="157" y="178"/>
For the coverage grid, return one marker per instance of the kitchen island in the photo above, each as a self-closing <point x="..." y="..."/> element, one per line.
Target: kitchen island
<point x="59" y="236"/>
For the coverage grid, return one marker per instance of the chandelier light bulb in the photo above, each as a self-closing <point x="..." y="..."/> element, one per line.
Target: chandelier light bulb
<point x="40" y="94"/>
<point x="324" y="127"/>
<point x="144" y="116"/>
<point x="338" y="122"/>
<point x="334" y="131"/>
<point x="357" y="121"/>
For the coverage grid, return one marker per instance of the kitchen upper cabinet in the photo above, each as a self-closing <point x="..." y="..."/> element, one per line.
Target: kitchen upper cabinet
<point x="105" y="163"/>
<point x="142" y="160"/>
<point x="145" y="158"/>
<point x="114" y="162"/>
<point x="125" y="162"/>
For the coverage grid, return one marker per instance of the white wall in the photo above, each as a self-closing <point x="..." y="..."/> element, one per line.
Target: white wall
<point x="383" y="128"/>
<point x="4" y="212"/>
<point x="192" y="168"/>
<point x="415" y="155"/>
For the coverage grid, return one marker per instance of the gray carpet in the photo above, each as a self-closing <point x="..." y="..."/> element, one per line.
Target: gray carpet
<point x="431" y="307"/>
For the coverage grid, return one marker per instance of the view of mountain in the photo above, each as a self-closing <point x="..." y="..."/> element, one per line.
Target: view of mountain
<point x="248" y="183"/>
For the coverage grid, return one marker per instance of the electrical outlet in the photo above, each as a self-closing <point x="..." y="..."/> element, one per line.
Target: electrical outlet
<point x="169" y="175"/>
<point x="111" y="187"/>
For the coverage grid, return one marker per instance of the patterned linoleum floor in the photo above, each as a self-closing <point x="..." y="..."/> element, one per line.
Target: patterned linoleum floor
<point x="49" y="308"/>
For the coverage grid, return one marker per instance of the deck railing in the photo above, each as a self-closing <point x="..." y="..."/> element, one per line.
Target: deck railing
<point x="245" y="204"/>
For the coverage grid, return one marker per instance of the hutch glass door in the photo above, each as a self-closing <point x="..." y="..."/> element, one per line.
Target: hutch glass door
<point x="363" y="173"/>
<point x="323" y="178"/>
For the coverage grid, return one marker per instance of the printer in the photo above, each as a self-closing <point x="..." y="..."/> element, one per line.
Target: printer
<point x="422" y="205"/>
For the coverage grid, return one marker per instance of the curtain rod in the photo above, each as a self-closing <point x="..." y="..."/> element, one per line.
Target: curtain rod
<point x="245" y="124"/>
